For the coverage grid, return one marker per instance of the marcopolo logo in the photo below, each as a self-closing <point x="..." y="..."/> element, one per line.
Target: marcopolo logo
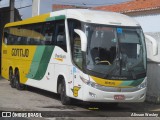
<point x="60" y="57"/>
<point x="20" y="52"/>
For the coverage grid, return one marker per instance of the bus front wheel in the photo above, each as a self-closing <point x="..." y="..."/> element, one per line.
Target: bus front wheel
<point x="65" y="100"/>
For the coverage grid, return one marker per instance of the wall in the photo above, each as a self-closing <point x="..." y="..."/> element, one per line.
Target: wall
<point x="151" y="26"/>
<point x="153" y="71"/>
<point x="149" y="23"/>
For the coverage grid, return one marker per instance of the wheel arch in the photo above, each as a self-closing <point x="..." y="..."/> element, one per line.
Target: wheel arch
<point x="16" y="69"/>
<point x="10" y="67"/>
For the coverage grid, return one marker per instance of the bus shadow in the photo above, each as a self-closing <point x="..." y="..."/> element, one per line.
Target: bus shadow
<point x="101" y="106"/>
<point x="121" y="107"/>
<point x="43" y="92"/>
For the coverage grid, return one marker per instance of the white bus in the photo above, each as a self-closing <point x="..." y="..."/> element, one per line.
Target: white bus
<point x="89" y="55"/>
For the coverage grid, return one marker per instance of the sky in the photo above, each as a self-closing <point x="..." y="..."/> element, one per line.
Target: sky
<point x="25" y="8"/>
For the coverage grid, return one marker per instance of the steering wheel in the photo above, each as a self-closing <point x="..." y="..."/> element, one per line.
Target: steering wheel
<point x="101" y="62"/>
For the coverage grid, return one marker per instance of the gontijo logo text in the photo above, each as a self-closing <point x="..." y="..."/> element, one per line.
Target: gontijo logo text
<point x="20" y="52"/>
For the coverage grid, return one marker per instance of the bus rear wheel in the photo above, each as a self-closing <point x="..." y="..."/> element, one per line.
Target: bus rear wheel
<point x="65" y="100"/>
<point x="11" y="78"/>
<point x="18" y="85"/>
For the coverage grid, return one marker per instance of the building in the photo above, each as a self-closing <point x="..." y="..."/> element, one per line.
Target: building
<point x="4" y="19"/>
<point x="146" y="12"/>
<point x="56" y="7"/>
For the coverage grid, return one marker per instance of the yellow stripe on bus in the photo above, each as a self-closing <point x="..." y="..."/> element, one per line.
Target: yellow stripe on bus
<point x="19" y="56"/>
<point x="59" y="59"/>
<point x="106" y="82"/>
<point x="35" y="19"/>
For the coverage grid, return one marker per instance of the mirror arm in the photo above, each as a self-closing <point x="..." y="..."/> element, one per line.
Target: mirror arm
<point x="83" y="39"/>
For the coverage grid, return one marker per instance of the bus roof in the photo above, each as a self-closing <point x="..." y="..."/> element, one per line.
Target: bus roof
<point x="85" y="15"/>
<point x="36" y="19"/>
<point x="97" y="16"/>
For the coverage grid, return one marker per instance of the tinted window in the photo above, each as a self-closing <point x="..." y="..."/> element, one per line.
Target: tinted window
<point x="75" y="42"/>
<point x="33" y="34"/>
<point x="48" y="33"/>
<point x="60" y="35"/>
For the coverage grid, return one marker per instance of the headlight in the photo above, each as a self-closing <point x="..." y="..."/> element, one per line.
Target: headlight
<point x="84" y="80"/>
<point x="142" y="85"/>
<point x="114" y="89"/>
<point x="90" y="83"/>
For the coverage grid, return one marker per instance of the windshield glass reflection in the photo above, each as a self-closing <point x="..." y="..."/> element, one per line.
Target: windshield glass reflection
<point x="115" y="53"/>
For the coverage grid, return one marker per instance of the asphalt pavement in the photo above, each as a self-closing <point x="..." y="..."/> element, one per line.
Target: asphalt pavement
<point x="49" y="105"/>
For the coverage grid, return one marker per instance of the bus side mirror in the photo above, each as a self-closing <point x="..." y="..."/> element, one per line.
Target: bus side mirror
<point x="154" y="44"/>
<point x="83" y="39"/>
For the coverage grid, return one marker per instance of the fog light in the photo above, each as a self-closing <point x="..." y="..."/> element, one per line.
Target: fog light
<point x="92" y="94"/>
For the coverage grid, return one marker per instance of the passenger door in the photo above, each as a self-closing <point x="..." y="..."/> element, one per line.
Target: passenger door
<point x="76" y="54"/>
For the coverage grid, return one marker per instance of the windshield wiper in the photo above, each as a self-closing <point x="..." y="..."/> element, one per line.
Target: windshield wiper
<point x="116" y="66"/>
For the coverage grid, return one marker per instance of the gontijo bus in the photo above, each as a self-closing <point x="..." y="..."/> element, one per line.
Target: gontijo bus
<point x="84" y="54"/>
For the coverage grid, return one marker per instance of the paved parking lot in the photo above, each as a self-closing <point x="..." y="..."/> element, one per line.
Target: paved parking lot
<point x="34" y="99"/>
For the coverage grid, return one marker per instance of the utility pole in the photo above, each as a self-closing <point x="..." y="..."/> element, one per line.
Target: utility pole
<point x="11" y="5"/>
<point x="35" y="7"/>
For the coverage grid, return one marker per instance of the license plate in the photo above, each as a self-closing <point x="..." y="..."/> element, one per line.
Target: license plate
<point x="119" y="97"/>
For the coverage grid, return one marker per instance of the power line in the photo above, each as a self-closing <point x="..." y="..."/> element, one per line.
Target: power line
<point x="87" y="3"/>
<point x="24" y="7"/>
<point x="16" y="1"/>
<point x="18" y="8"/>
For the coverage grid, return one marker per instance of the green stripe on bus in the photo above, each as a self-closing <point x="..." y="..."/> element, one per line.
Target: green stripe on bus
<point x="137" y="82"/>
<point x="132" y="83"/>
<point x="61" y="17"/>
<point x="126" y="83"/>
<point x="40" y="62"/>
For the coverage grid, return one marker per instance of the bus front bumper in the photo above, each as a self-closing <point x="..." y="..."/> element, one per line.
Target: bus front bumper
<point x="94" y="95"/>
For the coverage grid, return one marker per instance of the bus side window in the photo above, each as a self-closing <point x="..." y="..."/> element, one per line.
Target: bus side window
<point x="48" y="33"/>
<point x="27" y="33"/>
<point x="37" y="36"/>
<point x="18" y="36"/>
<point x="24" y="35"/>
<point x="6" y="35"/>
<point x="77" y="53"/>
<point x="60" y="35"/>
<point x="75" y="42"/>
<point x="12" y="37"/>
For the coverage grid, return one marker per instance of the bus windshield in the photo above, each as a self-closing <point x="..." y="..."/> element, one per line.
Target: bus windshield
<point x="115" y="52"/>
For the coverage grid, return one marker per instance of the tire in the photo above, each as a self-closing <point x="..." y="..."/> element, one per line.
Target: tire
<point x="65" y="100"/>
<point x="11" y="79"/>
<point x="18" y="85"/>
